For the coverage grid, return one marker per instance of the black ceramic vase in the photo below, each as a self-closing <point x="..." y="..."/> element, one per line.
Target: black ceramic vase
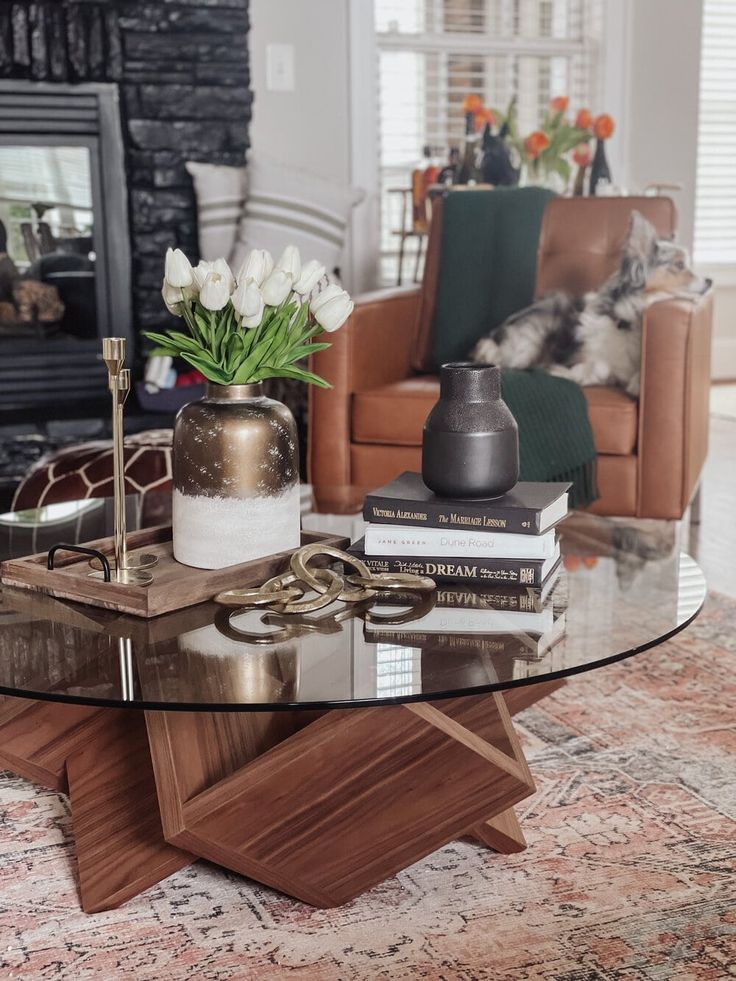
<point x="471" y="440"/>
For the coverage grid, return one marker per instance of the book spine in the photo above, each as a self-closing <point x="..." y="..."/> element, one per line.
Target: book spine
<point x="403" y="540"/>
<point x="520" y="521"/>
<point x="522" y="601"/>
<point x="517" y="572"/>
<point x="442" y="621"/>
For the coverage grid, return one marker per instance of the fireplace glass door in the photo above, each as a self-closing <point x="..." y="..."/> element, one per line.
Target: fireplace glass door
<point x="48" y="285"/>
<point x="64" y="245"/>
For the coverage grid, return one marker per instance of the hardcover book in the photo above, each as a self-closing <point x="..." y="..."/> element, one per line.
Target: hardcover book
<point x="493" y="609"/>
<point x="410" y="540"/>
<point x="461" y="620"/>
<point x="528" y="509"/>
<point x="514" y="572"/>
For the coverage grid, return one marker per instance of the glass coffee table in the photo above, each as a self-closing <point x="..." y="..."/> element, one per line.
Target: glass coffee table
<point x="318" y="755"/>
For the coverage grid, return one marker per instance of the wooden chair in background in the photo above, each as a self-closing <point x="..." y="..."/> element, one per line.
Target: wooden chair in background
<point x="414" y="220"/>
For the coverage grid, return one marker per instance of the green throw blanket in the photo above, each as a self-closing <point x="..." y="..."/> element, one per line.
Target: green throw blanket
<point x="555" y="438"/>
<point x="487" y="270"/>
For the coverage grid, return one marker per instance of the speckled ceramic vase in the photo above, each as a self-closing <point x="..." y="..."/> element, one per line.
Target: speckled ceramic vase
<point x="471" y="440"/>
<point x="236" y="478"/>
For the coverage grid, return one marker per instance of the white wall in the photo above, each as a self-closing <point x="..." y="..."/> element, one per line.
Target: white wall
<point x="652" y="80"/>
<point x="312" y="125"/>
<point x="307" y="125"/>
<point x="724" y="327"/>
<point x="651" y="84"/>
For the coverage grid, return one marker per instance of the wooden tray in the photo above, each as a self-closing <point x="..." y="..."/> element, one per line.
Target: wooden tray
<point x="174" y="586"/>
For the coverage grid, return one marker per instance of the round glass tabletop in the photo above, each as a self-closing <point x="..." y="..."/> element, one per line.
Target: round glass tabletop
<point x="623" y="586"/>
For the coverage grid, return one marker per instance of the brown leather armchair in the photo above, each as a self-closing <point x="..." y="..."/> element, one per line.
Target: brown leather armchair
<point x="368" y="427"/>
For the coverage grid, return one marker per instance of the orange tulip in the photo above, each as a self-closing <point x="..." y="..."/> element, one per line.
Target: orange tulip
<point x="582" y="155"/>
<point x="603" y="126"/>
<point x="584" y="119"/>
<point x="483" y="116"/>
<point x="559" y="103"/>
<point x="535" y="143"/>
<point x="590" y="561"/>
<point x="472" y="103"/>
<point x="572" y="562"/>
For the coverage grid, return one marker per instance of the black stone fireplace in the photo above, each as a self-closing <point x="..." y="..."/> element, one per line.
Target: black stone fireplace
<point x="138" y="88"/>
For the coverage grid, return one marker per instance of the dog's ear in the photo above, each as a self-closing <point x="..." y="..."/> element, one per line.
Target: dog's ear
<point x="641" y="238"/>
<point x="638" y="250"/>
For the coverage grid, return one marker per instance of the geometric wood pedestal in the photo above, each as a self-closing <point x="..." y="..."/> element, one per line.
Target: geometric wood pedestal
<point x="319" y="805"/>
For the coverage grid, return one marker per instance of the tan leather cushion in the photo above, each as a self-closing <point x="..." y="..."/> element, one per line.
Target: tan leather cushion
<point x="617" y="483"/>
<point x="374" y="466"/>
<point x="614" y="418"/>
<point x="581" y="239"/>
<point x="394" y="414"/>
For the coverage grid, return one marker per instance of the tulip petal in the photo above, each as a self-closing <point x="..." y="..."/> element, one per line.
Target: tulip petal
<point x="310" y="276"/>
<point x="276" y="287"/>
<point x="290" y="262"/>
<point x="178" y="268"/>
<point x="215" y="293"/>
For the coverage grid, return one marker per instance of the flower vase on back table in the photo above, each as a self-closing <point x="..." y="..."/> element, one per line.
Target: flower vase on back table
<point x="600" y="173"/>
<point x="236" y="469"/>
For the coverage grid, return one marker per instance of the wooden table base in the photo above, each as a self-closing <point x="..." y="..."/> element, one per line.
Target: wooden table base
<point x="319" y="805"/>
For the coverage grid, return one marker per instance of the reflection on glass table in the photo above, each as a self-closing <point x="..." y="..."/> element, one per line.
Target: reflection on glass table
<point x="623" y="587"/>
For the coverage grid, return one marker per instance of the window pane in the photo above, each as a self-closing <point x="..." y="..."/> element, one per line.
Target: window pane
<point x="433" y="53"/>
<point x="464" y="15"/>
<point x="715" y="200"/>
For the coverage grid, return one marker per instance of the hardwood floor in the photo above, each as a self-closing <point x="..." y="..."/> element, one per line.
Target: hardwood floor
<point x="713" y="542"/>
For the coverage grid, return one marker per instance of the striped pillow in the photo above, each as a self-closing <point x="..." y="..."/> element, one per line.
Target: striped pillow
<point x="220" y="193"/>
<point x="288" y="206"/>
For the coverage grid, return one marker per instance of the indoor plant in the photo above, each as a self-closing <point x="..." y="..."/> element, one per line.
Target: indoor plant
<point x="543" y="156"/>
<point x="545" y="150"/>
<point x="236" y="472"/>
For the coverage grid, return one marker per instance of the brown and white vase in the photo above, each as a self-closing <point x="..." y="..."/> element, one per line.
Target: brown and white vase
<point x="236" y="478"/>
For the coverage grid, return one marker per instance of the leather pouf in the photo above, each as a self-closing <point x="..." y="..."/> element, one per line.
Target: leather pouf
<point x="78" y="472"/>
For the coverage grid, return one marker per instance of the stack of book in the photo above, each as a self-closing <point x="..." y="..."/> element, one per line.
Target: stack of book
<point x="510" y="540"/>
<point x="497" y="563"/>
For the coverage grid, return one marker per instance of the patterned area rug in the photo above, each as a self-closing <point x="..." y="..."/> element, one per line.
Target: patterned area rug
<point x="629" y="872"/>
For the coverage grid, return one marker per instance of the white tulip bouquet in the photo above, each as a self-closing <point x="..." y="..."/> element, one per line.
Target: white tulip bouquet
<point x="256" y="325"/>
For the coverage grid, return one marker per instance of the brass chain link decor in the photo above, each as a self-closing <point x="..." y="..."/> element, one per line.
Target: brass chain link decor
<point x="284" y="595"/>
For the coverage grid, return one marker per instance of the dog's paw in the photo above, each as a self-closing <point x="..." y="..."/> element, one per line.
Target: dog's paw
<point x="486" y="351"/>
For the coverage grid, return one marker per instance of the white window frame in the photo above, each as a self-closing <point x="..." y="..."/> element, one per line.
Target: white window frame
<point x="608" y="85"/>
<point x="485" y="48"/>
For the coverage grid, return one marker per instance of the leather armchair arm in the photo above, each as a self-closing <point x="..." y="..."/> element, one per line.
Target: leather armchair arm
<point x="674" y="404"/>
<point x="372" y="349"/>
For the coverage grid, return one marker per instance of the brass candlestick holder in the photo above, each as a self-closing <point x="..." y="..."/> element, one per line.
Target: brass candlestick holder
<point x="126" y="568"/>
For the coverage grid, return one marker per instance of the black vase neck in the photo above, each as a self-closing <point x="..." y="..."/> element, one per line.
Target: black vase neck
<point x="470" y="382"/>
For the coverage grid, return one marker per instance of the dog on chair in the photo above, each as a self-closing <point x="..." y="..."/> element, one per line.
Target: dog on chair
<point x="596" y="340"/>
